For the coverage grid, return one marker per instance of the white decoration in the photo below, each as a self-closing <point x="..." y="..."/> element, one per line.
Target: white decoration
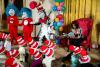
<point x="25" y="22"/>
<point x="22" y="53"/>
<point x="48" y="60"/>
<point x="7" y="45"/>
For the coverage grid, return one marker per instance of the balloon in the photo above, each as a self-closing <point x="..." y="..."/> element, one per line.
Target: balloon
<point x="59" y="24"/>
<point x="56" y="19"/>
<point x="54" y="8"/>
<point x="56" y="28"/>
<point x="62" y="4"/>
<point x="54" y="24"/>
<point x="59" y="8"/>
<point x="59" y="0"/>
<point x="56" y="3"/>
<point x="62" y="20"/>
<point x="61" y="29"/>
<point x="32" y="4"/>
<point x="63" y="8"/>
<point x="60" y="16"/>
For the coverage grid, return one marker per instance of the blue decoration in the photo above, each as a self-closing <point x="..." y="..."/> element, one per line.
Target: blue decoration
<point x="11" y="6"/>
<point x="56" y="28"/>
<point x="27" y="10"/>
<point x="58" y="41"/>
<point x="59" y="0"/>
<point x="54" y="8"/>
<point x="59" y="24"/>
<point x="54" y="24"/>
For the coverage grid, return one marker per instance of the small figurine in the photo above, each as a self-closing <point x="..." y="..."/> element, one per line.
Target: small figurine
<point x="12" y="12"/>
<point x="22" y="54"/>
<point x="12" y="62"/>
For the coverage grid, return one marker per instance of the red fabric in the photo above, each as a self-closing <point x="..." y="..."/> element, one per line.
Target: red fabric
<point x="27" y="29"/>
<point x="32" y="4"/>
<point x="12" y="26"/>
<point x="44" y="20"/>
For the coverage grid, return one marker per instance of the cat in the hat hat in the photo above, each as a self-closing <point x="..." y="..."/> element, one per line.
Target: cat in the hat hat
<point x="48" y="52"/>
<point x="12" y="62"/>
<point x="12" y="21"/>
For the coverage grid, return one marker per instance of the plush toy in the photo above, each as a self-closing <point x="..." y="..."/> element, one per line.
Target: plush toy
<point x="27" y="23"/>
<point x="12" y="12"/>
<point x="12" y="62"/>
<point x="22" y="53"/>
<point x="37" y="62"/>
<point x="48" y="52"/>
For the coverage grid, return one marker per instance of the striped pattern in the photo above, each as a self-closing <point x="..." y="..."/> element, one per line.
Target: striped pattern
<point x="21" y="41"/>
<point x="33" y="44"/>
<point x="37" y="55"/>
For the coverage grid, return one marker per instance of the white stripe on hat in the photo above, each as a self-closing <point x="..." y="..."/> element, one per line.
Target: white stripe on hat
<point x="14" y="51"/>
<point x="31" y="41"/>
<point x="22" y="41"/>
<point x="19" y="39"/>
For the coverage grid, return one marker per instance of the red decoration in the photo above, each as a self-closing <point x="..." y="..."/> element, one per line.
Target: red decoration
<point x="32" y="4"/>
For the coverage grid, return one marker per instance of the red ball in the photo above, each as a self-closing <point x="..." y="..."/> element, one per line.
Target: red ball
<point x="83" y="52"/>
<point x="71" y="48"/>
<point x="32" y="4"/>
<point x="60" y="16"/>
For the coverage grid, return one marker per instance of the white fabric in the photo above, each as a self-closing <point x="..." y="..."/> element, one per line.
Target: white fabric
<point x="47" y="61"/>
<point x="25" y="22"/>
<point x="7" y="45"/>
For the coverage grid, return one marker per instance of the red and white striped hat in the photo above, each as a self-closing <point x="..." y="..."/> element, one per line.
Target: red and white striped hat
<point x="75" y="49"/>
<point x="47" y="51"/>
<point x="84" y="57"/>
<point x="39" y="7"/>
<point x="2" y="49"/>
<point x="32" y="43"/>
<point x="11" y="62"/>
<point x="37" y="55"/>
<point x="12" y="53"/>
<point x="50" y="44"/>
<point x="4" y="36"/>
<point x="21" y="41"/>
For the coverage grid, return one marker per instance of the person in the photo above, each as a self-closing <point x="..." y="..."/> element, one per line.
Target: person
<point x="12" y="20"/>
<point x="76" y="33"/>
<point x="27" y="22"/>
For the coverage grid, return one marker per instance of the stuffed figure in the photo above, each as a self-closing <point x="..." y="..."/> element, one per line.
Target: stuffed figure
<point x="13" y="62"/>
<point x="37" y="62"/>
<point x="22" y="54"/>
<point x="27" y="23"/>
<point x="12" y="12"/>
<point x="48" y="52"/>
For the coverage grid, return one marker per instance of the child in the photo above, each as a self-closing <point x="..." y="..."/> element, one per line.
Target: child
<point x="11" y="12"/>
<point x="27" y="23"/>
